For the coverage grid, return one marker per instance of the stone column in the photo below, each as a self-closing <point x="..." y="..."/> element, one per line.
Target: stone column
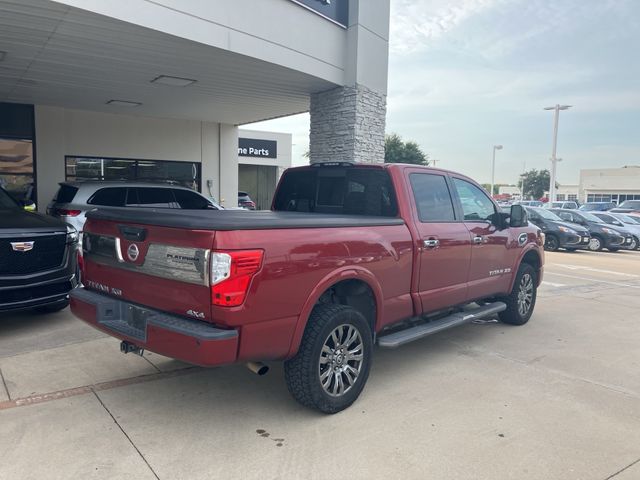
<point x="347" y="125"/>
<point x="348" y="122"/>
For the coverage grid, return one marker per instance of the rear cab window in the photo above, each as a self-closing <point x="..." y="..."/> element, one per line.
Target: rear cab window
<point x="341" y="189"/>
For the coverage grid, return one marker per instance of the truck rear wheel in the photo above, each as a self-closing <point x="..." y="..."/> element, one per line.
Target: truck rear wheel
<point x="332" y="364"/>
<point x="522" y="299"/>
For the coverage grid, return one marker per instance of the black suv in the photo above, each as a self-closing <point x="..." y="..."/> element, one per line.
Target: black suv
<point x="602" y="235"/>
<point x="558" y="234"/>
<point x="37" y="259"/>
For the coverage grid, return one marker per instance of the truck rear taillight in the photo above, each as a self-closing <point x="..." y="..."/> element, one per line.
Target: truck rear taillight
<point x="231" y="274"/>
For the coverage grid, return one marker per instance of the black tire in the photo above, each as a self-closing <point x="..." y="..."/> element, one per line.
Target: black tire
<point x="53" y="307"/>
<point x="304" y="371"/>
<point x="595" y="244"/>
<point x="551" y="243"/>
<point x="514" y="314"/>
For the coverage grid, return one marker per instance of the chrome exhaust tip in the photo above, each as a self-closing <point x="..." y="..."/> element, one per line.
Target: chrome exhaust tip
<point x="258" y="368"/>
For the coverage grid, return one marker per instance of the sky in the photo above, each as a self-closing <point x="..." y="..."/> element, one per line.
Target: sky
<point x="465" y="75"/>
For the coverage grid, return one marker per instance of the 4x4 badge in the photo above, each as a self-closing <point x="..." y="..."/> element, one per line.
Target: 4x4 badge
<point x="132" y="252"/>
<point x="22" y="246"/>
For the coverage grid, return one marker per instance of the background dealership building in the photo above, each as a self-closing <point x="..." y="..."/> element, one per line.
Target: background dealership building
<point x="157" y="90"/>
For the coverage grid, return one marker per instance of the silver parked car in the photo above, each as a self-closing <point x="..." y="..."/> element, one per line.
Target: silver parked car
<point x="570" y="205"/>
<point x="625" y="221"/>
<point x="74" y="199"/>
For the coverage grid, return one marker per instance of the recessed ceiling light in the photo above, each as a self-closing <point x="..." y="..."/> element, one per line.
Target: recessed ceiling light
<point x="173" y="81"/>
<point x="123" y="103"/>
<point x="2" y="55"/>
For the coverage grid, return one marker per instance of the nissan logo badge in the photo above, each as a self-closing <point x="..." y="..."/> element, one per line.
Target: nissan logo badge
<point x="132" y="252"/>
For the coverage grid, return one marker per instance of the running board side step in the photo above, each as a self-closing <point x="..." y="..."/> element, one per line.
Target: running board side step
<point x="396" y="339"/>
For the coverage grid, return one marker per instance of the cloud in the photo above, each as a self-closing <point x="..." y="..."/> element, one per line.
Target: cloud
<point x="416" y="23"/>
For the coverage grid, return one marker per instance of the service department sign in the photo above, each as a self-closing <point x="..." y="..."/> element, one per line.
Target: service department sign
<point x="253" y="147"/>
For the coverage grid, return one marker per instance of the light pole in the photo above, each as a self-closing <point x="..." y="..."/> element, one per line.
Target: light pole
<point x="524" y="172"/>
<point x="554" y="160"/>
<point x="493" y="167"/>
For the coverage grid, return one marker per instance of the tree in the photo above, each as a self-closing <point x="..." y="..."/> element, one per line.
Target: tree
<point x="536" y="182"/>
<point x="398" y="151"/>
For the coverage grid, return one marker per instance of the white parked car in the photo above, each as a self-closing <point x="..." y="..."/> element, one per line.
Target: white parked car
<point x="74" y="199"/>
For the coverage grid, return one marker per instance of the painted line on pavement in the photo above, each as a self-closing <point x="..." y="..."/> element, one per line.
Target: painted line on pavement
<point x="594" y="280"/>
<point x="596" y="270"/>
<point x="98" y="387"/>
<point x="551" y="284"/>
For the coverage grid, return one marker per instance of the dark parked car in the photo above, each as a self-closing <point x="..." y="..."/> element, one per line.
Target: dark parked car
<point x="244" y="201"/>
<point x="37" y="259"/>
<point x="597" y="206"/>
<point x="558" y="234"/>
<point x="630" y="207"/>
<point x="602" y="235"/>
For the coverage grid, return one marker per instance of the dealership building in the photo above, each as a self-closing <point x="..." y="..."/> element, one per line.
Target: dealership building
<point x="610" y="184"/>
<point x="156" y="91"/>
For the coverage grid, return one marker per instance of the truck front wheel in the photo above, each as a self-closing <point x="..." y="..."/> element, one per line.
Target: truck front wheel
<point x="522" y="299"/>
<point x="332" y="364"/>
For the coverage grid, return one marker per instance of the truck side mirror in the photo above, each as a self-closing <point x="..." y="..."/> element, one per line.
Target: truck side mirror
<point x="518" y="216"/>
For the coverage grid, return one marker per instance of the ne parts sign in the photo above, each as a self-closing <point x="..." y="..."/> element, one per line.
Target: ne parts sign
<point x="253" y="147"/>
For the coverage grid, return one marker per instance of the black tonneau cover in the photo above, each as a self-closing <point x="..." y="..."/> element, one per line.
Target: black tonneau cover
<point x="236" y="219"/>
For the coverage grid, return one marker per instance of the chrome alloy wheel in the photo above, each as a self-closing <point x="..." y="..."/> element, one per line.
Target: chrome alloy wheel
<point x="525" y="294"/>
<point x="595" y="244"/>
<point x="341" y="360"/>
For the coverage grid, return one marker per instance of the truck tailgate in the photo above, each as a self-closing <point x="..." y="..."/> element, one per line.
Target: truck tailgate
<point x="162" y="267"/>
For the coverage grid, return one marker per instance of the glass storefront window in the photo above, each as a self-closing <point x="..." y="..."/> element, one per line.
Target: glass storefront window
<point x="16" y="168"/>
<point x="186" y="174"/>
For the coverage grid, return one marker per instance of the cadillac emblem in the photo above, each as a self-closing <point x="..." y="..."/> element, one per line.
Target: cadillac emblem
<point x="22" y="246"/>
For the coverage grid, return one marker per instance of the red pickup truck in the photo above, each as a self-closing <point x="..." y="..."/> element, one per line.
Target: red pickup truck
<point x="349" y="256"/>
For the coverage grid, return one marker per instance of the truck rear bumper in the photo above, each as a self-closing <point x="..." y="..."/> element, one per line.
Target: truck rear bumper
<point x="184" y="339"/>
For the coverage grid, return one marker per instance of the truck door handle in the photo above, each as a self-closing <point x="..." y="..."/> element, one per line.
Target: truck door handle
<point x="431" y="243"/>
<point x="478" y="240"/>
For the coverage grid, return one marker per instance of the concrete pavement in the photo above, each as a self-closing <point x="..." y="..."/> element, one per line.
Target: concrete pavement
<point x="557" y="398"/>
